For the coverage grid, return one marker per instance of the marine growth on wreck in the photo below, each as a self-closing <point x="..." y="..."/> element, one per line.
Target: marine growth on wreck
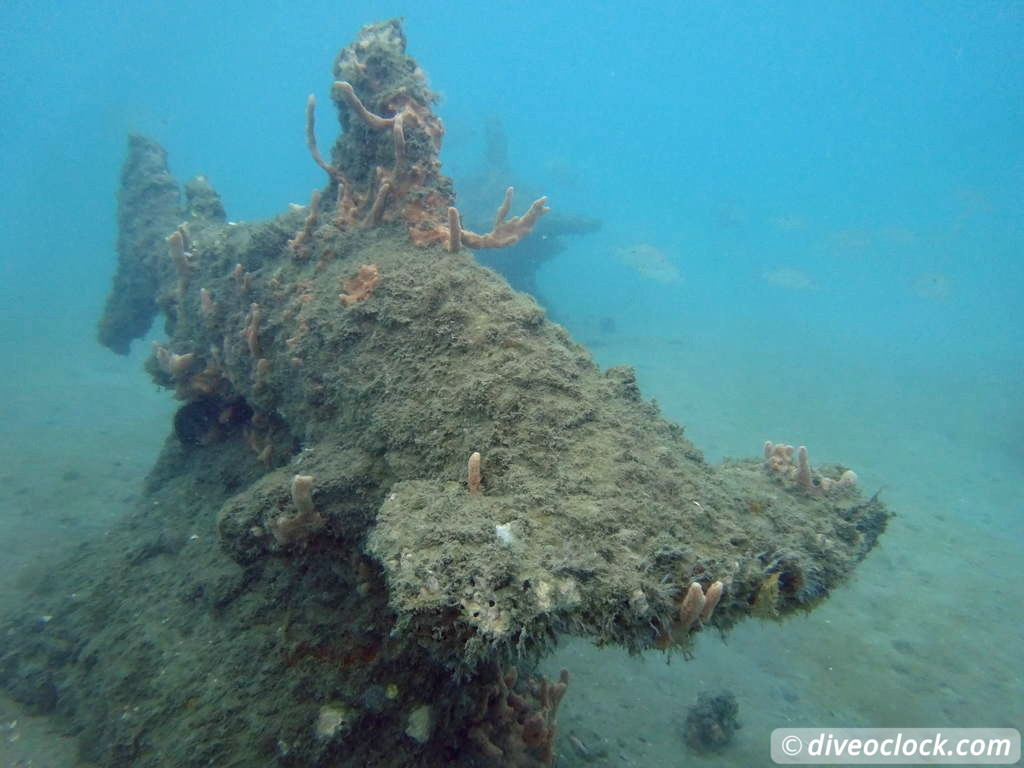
<point x="392" y="483"/>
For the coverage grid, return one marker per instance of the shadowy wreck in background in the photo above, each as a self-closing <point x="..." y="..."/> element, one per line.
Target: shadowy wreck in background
<point x="391" y="484"/>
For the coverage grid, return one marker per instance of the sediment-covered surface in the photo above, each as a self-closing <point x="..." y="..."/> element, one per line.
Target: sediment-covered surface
<point x="319" y="573"/>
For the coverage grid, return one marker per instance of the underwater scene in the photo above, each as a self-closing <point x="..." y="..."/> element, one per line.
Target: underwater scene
<point x="510" y="384"/>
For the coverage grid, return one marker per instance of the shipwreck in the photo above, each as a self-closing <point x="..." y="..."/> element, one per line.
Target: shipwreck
<point x="392" y="483"/>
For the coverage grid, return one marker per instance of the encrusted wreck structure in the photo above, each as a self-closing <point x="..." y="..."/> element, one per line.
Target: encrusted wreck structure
<point x="391" y="485"/>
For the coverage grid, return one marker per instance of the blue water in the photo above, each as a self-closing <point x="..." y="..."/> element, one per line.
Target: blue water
<point x="840" y="186"/>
